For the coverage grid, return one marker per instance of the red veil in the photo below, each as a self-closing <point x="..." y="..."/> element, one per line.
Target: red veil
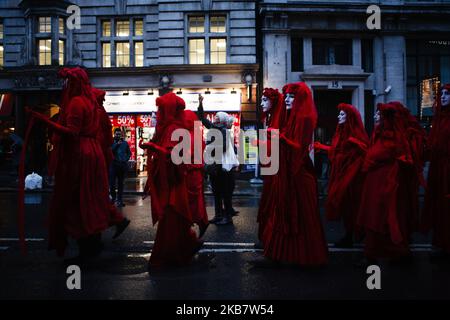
<point x="276" y="115"/>
<point x="347" y="152"/>
<point x="437" y="197"/>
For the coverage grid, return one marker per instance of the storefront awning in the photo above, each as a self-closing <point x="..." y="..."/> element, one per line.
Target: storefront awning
<point x="6" y="103"/>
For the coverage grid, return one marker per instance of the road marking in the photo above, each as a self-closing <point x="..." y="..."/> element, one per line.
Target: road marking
<point x="4" y="248"/>
<point x="17" y="239"/>
<point x="220" y="244"/>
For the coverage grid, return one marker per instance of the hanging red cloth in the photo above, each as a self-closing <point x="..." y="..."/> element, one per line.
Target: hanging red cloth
<point x="294" y="232"/>
<point x="274" y="119"/>
<point x="175" y="242"/>
<point x="195" y="171"/>
<point x="436" y="212"/>
<point x="346" y="153"/>
<point x="80" y="206"/>
<point x="383" y="215"/>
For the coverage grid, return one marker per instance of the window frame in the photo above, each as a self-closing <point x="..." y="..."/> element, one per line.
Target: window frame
<point x="331" y="43"/>
<point x="207" y="35"/>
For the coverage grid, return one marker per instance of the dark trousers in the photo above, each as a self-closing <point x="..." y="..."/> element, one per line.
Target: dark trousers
<point x="118" y="172"/>
<point x="222" y="183"/>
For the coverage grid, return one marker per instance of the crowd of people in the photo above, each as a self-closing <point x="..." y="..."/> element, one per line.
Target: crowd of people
<point x="374" y="183"/>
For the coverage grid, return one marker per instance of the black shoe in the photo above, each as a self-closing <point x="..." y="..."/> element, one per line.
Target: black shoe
<point x="215" y="219"/>
<point x="198" y="246"/>
<point x="224" y="221"/>
<point x="120" y="227"/>
<point x="202" y="229"/>
<point x="234" y="213"/>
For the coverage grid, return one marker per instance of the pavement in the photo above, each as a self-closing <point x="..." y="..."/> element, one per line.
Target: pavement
<point x="221" y="270"/>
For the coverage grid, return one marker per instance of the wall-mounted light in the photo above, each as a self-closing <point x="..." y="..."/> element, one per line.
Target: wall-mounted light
<point x="126" y="93"/>
<point x="233" y="91"/>
<point x="248" y="79"/>
<point x="207" y="91"/>
<point x="179" y="91"/>
<point x="150" y="93"/>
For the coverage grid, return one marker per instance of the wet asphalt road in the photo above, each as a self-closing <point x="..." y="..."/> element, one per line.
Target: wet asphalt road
<point x="220" y="271"/>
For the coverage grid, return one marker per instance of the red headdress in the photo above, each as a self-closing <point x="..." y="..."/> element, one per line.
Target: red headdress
<point x="78" y="84"/>
<point x="436" y="134"/>
<point x="99" y="95"/>
<point x="277" y="114"/>
<point x="170" y="112"/>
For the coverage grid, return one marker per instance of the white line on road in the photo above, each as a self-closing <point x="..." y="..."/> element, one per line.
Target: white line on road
<point x="17" y="239"/>
<point x="4" y="248"/>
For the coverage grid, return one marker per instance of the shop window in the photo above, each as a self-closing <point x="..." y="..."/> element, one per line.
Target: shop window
<point x="196" y="51"/>
<point x="296" y="54"/>
<point x="45" y="52"/>
<point x="61" y="52"/>
<point x="139" y="54"/>
<point x="218" y="51"/>
<point x="332" y="51"/>
<point x="123" y="54"/>
<point x="204" y="44"/>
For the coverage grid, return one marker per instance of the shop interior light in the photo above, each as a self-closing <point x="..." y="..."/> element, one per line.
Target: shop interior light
<point x="207" y="91"/>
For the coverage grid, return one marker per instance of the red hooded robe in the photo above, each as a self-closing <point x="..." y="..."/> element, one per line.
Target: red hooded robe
<point x="294" y="232"/>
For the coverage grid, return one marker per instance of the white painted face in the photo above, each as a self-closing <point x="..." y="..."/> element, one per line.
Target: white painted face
<point x="289" y="100"/>
<point x="377" y="117"/>
<point x="266" y="104"/>
<point x="445" y="97"/>
<point x="342" y="117"/>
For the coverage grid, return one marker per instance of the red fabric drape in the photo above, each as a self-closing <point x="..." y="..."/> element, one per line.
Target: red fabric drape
<point x="436" y="212"/>
<point x="294" y="232"/>
<point x="347" y="152"/>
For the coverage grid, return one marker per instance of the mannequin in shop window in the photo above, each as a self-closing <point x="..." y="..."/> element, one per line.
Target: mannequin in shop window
<point x="436" y="214"/>
<point x="346" y="154"/>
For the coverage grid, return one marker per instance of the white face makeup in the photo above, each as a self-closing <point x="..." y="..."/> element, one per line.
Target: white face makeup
<point x="342" y="117"/>
<point x="445" y="97"/>
<point x="289" y="100"/>
<point x="377" y="117"/>
<point x="266" y="104"/>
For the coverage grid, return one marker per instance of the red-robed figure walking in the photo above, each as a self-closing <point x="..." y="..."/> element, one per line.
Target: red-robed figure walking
<point x="346" y="153"/>
<point x="436" y="213"/>
<point x="272" y="103"/>
<point x="176" y="243"/>
<point x="80" y="207"/>
<point x="383" y="214"/>
<point x="294" y="233"/>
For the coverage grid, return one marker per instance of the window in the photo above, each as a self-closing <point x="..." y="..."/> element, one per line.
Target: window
<point x="123" y="28"/>
<point x="367" y="55"/>
<point x="1" y="55"/>
<point x="61" y="47"/>
<point x="139" y="54"/>
<point x="332" y="51"/>
<point x="218" y="51"/>
<point x="106" y="55"/>
<point x="106" y="28"/>
<point x="206" y="39"/>
<point x="1" y="31"/>
<point x="61" y="26"/>
<point x="196" y="51"/>
<point x="122" y="54"/>
<point x="45" y="24"/>
<point x="45" y="52"/>
<point x="196" y="24"/>
<point x="218" y="24"/>
<point x="296" y="54"/>
<point x="139" y="27"/>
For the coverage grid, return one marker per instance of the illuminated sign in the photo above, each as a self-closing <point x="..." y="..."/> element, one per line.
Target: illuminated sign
<point x="213" y="102"/>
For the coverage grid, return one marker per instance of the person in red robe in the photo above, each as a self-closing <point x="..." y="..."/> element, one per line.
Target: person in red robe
<point x="383" y="214"/>
<point x="104" y="136"/>
<point x="346" y="153"/>
<point x="195" y="172"/>
<point x="272" y="103"/>
<point x="80" y="207"/>
<point x="294" y="232"/>
<point x="175" y="243"/>
<point x="436" y="212"/>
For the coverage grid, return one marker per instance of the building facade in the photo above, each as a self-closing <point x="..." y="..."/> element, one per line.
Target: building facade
<point x="329" y="45"/>
<point x="135" y="50"/>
